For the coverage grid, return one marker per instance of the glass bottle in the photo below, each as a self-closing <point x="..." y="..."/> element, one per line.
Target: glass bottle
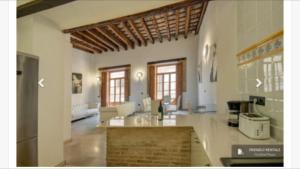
<point x="161" y="111"/>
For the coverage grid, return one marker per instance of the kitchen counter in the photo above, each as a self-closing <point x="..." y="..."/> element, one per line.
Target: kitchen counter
<point x="211" y="128"/>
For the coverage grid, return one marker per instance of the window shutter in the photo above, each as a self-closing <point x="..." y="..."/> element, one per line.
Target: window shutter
<point x="183" y="75"/>
<point x="127" y="84"/>
<point x="179" y="79"/>
<point x="103" y="89"/>
<point x="151" y="81"/>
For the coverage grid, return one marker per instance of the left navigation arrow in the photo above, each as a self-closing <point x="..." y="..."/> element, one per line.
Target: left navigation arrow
<point x="41" y="82"/>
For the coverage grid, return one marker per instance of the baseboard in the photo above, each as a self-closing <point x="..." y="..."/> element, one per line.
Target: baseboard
<point x="61" y="164"/>
<point x="84" y="117"/>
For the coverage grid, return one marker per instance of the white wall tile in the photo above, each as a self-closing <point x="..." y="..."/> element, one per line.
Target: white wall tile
<point x="278" y="105"/>
<point x="242" y="85"/>
<point x="257" y="20"/>
<point x="267" y="109"/>
<point x="277" y="117"/>
<point x="251" y="70"/>
<point x="251" y="85"/>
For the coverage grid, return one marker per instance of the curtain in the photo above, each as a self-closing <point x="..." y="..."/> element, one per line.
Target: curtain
<point x="127" y="84"/>
<point x="183" y="75"/>
<point x="181" y="78"/>
<point x="103" y="89"/>
<point x="151" y="81"/>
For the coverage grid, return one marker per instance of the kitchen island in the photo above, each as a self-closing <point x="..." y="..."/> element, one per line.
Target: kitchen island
<point x="209" y="132"/>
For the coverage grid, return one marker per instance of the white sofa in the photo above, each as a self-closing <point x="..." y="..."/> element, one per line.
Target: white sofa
<point x="124" y="109"/>
<point x="147" y="104"/>
<point x="80" y="111"/>
<point x="151" y="105"/>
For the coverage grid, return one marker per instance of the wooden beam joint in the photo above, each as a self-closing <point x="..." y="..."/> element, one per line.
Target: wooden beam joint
<point x="121" y="35"/>
<point x="145" y="27"/>
<point x="135" y="29"/>
<point x="187" y="22"/>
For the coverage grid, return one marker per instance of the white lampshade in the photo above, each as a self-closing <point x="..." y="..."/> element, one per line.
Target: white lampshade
<point x="139" y="75"/>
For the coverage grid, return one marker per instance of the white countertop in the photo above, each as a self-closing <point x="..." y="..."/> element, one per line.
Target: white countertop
<point x="211" y="128"/>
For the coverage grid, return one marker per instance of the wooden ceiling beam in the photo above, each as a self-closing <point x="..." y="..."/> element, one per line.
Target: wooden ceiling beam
<point x="135" y="29"/>
<point x="83" y="37"/>
<point x="93" y="41"/>
<point x="177" y="24"/>
<point x="203" y="10"/>
<point x="99" y="36"/>
<point x="121" y="35"/>
<point x="97" y="39"/>
<point x="173" y="19"/>
<point x="126" y="32"/>
<point x="38" y="6"/>
<point x="85" y="45"/>
<point x="154" y="21"/>
<point x="80" y="47"/>
<point x="187" y="22"/>
<point x="171" y="7"/>
<point x="146" y="29"/>
<point x="110" y="36"/>
<point x="131" y="34"/>
<point x="167" y="25"/>
<point x="196" y="14"/>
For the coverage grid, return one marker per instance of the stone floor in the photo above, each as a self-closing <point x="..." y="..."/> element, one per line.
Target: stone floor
<point x="87" y="147"/>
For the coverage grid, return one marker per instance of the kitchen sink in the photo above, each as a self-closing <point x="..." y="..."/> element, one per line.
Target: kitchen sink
<point x="252" y="162"/>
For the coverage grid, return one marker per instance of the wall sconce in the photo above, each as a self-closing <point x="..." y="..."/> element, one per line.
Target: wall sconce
<point x="214" y="49"/>
<point x="98" y="79"/>
<point x="139" y="75"/>
<point x="205" y="53"/>
<point x="205" y="50"/>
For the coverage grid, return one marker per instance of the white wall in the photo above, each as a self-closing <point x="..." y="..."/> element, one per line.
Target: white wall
<point x="139" y="57"/>
<point x="41" y="37"/>
<point x="257" y="19"/>
<point x="68" y="91"/>
<point x="207" y="37"/>
<point x="227" y="86"/>
<point x="219" y="26"/>
<point x="83" y="62"/>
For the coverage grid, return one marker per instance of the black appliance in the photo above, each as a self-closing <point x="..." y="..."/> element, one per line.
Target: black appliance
<point x="235" y="108"/>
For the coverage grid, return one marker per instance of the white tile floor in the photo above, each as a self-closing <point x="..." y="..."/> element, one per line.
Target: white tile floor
<point x="87" y="147"/>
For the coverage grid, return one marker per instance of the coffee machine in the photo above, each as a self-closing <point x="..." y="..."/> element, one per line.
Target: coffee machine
<point x="235" y="108"/>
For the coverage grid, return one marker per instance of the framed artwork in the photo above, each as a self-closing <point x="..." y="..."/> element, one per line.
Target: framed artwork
<point x="200" y="72"/>
<point x="213" y="77"/>
<point x="76" y="83"/>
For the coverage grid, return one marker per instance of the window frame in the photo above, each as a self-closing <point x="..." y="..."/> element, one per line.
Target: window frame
<point x="120" y="86"/>
<point x="163" y="82"/>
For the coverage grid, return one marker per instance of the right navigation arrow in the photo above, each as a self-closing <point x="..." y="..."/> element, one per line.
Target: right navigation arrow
<point x="258" y="83"/>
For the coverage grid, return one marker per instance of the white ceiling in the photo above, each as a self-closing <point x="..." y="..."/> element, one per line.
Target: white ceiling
<point x="83" y="12"/>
